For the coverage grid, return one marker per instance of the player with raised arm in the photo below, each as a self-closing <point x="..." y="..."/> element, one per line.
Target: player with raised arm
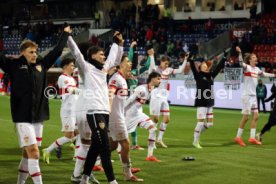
<point x="159" y="97"/>
<point x="249" y="99"/>
<point x="95" y="108"/>
<point x="204" y="100"/>
<point x="29" y="105"/>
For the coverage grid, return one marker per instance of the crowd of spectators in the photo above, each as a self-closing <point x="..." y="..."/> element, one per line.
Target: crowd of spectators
<point x="149" y="27"/>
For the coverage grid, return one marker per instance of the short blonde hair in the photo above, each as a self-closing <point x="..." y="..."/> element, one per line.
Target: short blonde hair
<point x="26" y="44"/>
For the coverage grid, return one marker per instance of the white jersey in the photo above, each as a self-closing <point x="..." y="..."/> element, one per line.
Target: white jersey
<point x="118" y="82"/>
<point x="78" y="77"/>
<point x="163" y="89"/>
<point x="134" y="109"/>
<point x="165" y="76"/>
<point x="138" y="98"/>
<point x="67" y="84"/>
<point x="251" y="79"/>
<point x="94" y="95"/>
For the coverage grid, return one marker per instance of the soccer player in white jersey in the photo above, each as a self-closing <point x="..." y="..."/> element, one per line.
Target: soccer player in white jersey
<point x="249" y="99"/>
<point x="68" y="91"/>
<point x="159" y="97"/>
<point x="134" y="112"/>
<point x="118" y="92"/>
<point x="93" y="106"/>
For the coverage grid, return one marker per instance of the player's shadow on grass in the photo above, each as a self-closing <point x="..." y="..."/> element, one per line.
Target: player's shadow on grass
<point x="217" y="145"/>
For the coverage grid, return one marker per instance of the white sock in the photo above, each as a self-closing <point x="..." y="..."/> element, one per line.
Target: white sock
<point x="239" y="133"/>
<point x="98" y="161"/>
<point x="80" y="159"/>
<point x="127" y="170"/>
<point x="85" y="179"/>
<point x="151" y="141"/>
<point x="60" y="141"/>
<point x="252" y="133"/>
<point x="162" y="130"/>
<point x="113" y="182"/>
<point x="23" y="171"/>
<point x="197" y="131"/>
<point x="77" y="144"/>
<point x="34" y="170"/>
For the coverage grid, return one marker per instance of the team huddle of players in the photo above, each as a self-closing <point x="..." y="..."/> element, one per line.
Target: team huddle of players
<point x="126" y="112"/>
<point x="107" y="105"/>
<point x="126" y="104"/>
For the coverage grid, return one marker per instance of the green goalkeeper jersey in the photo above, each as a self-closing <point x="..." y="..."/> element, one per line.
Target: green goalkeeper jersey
<point x="132" y="83"/>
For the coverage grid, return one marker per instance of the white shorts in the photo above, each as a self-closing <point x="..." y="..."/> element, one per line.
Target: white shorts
<point x="68" y="124"/>
<point x="83" y="127"/>
<point x="137" y="119"/>
<point x="28" y="133"/>
<point x="249" y="104"/>
<point x="118" y="131"/>
<point x="159" y="106"/>
<point x="204" y="112"/>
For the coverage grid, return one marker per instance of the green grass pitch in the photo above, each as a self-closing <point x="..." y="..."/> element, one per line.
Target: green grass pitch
<point x="220" y="160"/>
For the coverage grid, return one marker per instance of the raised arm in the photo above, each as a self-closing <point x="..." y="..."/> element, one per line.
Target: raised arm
<point x="242" y="64"/>
<point x="81" y="63"/>
<point x="152" y="66"/>
<point x="131" y="51"/>
<point x="53" y="55"/>
<point x="194" y="70"/>
<point x="116" y="52"/>
<point x="265" y="74"/>
<point x="114" y="56"/>
<point x="181" y="68"/>
<point x="219" y="67"/>
<point x="147" y="65"/>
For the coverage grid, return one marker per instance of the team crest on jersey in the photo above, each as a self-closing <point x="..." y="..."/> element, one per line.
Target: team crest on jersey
<point x="66" y="82"/>
<point x="102" y="125"/>
<point x="26" y="139"/>
<point x="38" y="68"/>
<point x="113" y="82"/>
<point x="66" y="127"/>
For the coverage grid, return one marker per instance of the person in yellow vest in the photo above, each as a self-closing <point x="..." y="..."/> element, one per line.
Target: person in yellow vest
<point x="97" y="16"/>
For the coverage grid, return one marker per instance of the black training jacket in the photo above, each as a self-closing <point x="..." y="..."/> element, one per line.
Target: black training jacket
<point x="28" y="82"/>
<point x="204" y="84"/>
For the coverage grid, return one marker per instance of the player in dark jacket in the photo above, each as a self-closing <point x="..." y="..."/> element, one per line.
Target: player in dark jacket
<point x="29" y="103"/>
<point x="272" y="117"/>
<point x="204" y="96"/>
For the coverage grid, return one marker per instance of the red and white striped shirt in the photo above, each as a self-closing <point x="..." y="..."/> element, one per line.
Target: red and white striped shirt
<point x="67" y="85"/>
<point x="119" y="83"/>
<point x="250" y="83"/>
